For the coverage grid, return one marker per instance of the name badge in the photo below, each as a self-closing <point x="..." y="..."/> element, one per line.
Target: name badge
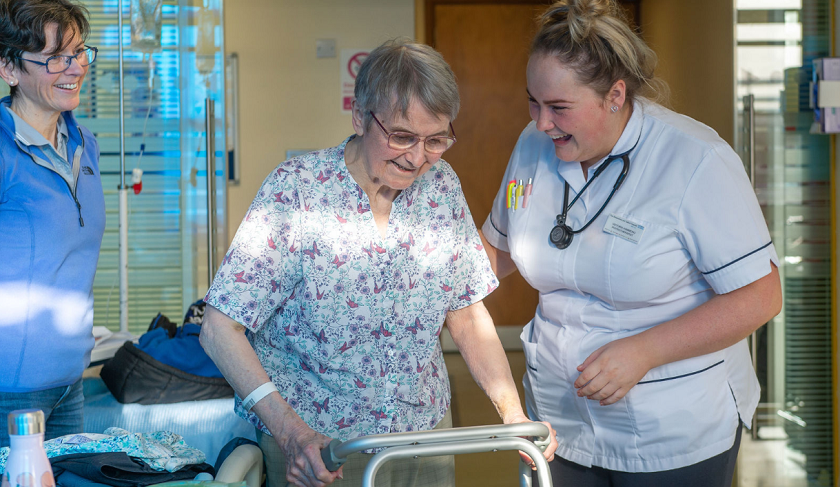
<point x="624" y="229"/>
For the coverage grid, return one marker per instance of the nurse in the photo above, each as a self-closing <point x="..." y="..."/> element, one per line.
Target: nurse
<point x="642" y="234"/>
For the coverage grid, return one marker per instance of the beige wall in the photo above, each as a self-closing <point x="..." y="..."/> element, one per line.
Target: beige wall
<point x="694" y="42"/>
<point x="289" y="99"/>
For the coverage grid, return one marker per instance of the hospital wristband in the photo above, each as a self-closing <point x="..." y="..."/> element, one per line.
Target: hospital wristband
<point x="257" y="394"/>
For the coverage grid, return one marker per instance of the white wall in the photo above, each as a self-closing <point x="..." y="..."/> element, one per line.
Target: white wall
<point x="289" y="99"/>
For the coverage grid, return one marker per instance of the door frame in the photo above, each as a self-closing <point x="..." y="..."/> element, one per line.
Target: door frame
<point x="424" y="13"/>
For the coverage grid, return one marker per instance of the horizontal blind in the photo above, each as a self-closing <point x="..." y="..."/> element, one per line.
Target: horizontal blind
<point x="152" y="119"/>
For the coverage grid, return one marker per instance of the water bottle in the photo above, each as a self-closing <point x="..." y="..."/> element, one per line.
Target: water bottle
<point x="27" y="465"/>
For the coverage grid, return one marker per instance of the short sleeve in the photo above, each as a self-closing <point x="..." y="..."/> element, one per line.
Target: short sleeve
<point x="721" y="224"/>
<point x="473" y="278"/>
<point x="495" y="228"/>
<point x="259" y="271"/>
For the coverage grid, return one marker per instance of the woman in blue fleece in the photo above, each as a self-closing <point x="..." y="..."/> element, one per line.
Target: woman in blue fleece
<point x="52" y="213"/>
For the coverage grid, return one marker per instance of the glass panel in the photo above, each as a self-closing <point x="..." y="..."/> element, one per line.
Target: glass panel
<point x="776" y="43"/>
<point x="165" y="91"/>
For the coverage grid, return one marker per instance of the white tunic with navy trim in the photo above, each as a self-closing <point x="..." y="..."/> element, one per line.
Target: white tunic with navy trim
<point x="704" y="234"/>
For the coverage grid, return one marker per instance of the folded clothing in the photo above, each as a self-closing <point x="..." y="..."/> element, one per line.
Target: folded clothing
<point x="118" y="470"/>
<point x="161" y="450"/>
<point x="69" y="479"/>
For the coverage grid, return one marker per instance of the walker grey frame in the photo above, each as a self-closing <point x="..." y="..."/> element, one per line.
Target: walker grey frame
<point x="454" y="441"/>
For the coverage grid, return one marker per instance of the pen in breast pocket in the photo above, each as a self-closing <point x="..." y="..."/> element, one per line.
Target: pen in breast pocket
<point x="526" y="194"/>
<point x="518" y="195"/>
<point x="510" y="192"/>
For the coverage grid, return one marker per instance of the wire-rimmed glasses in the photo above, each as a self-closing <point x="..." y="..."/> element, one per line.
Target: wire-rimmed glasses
<point x="436" y="144"/>
<point x="61" y="62"/>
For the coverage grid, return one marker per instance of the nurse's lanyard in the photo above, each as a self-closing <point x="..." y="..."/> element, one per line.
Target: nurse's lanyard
<point x="561" y="235"/>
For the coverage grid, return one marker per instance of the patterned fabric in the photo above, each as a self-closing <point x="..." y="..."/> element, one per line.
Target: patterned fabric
<point x="161" y="450"/>
<point x="346" y="323"/>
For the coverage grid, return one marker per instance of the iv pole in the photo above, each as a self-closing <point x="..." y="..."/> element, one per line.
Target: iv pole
<point x="123" y="189"/>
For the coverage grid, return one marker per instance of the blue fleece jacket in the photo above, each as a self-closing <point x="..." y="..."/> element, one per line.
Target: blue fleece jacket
<point x="50" y="234"/>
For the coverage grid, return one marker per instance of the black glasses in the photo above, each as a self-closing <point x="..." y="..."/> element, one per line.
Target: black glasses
<point x="435" y="144"/>
<point x="61" y="62"/>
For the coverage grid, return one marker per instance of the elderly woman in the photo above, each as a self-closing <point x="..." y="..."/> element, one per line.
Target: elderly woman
<point x="652" y="258"/>
<point x="52" y="213"/>
<point x="343" y="272"/>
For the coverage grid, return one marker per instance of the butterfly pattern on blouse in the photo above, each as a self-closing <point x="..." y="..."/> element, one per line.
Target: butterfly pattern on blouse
<point x="345" y="322"/>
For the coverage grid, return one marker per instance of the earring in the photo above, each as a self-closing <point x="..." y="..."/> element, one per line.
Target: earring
<point x="614" y="108"/>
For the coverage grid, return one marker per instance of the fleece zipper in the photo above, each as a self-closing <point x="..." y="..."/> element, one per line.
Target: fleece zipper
<point x="77" y="156"/>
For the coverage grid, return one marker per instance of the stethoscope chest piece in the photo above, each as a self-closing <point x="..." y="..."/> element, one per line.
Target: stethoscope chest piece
<point x="561" y="235"/>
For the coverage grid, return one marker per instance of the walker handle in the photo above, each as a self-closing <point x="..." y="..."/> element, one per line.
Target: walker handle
<point x="542" y="444"/>
<point x="332" y="462"/>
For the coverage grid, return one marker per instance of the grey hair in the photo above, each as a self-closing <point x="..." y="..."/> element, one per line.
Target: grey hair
<point x="400" y="71"/>
<point x="593" y="38"/>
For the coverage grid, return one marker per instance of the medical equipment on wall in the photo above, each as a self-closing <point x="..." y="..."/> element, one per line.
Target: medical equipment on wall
<point x="205" y="41"/>
<point x="146" y="25"/>
<point x="137" y="180"/>
<point x="162" y="89"/>
<point x="825" y="95"/>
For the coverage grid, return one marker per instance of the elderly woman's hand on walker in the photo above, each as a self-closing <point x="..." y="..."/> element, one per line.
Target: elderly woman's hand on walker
<point x="225" y="342"/>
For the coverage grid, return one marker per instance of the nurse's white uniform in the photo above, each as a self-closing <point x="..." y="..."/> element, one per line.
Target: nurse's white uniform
<point x="703" y="233"/>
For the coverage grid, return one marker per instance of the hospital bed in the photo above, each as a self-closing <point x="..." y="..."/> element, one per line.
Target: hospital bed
<point x="209" y="425"/>
<point x="206" y="425"/>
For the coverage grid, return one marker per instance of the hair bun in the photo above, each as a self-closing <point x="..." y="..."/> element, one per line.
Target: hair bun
<point x="578" y="15"/>
<point x="594" y="39"/>
<point x="591" y="9"/>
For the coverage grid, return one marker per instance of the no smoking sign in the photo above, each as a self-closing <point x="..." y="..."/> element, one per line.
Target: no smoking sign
<point x="351" y="61"/>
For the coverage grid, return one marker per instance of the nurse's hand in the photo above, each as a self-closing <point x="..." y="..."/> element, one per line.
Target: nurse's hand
<point x="611" y="371"/>
<point x="302" y="446"/>
<point x="549" y="450"/>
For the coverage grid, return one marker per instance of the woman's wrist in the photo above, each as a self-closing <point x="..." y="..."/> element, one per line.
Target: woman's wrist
<point x="510" y="411"/>
<point x="648" y="350"/>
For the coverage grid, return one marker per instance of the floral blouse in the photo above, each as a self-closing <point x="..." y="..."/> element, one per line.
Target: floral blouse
<point x="346" y="323"/>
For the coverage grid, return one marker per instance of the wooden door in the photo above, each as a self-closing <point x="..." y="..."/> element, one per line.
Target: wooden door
<point x="486" y="42"/>
<point x="487" y="47"/>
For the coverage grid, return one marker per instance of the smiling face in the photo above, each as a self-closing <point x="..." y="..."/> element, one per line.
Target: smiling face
<point x="384" y="166"/>
<point x="578" y="120"/>
<point x="42" y="95"/>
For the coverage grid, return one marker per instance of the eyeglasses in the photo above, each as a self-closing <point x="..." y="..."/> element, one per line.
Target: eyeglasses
<point x="435" y="144"/>
<point x="61" y="62"/>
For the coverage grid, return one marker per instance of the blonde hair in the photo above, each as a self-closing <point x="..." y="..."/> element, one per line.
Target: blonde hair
<point x="593" y="38"/>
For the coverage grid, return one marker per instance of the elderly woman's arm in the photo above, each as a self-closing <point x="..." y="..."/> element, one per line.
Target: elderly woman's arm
<point x="612" y="370"/>
<point x="224" y="341"/>
<point x="475" y="336"/>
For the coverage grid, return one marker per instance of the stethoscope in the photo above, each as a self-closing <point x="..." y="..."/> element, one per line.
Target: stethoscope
<point x="562" y="234"/>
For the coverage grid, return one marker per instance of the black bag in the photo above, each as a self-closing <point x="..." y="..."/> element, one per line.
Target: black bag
<point x="133" y="376"/>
